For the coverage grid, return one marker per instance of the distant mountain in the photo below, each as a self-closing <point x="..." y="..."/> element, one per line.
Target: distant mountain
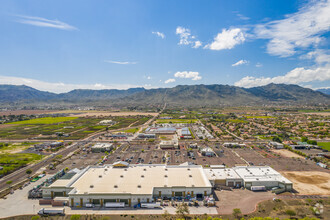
<point x="215" y="95"/>
<point x="12" y="93"/>
<point x="325" y="91"/>
<point x="181" y="95"/>
<point x="105" y="94"/>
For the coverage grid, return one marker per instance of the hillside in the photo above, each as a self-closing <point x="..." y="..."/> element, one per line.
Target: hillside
<point x="181" y="95"/>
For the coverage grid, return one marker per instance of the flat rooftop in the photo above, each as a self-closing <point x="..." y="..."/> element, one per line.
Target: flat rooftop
<point x="256" y="173"/>
<point x="219" y="174"/>
<point x="138" y="179"/>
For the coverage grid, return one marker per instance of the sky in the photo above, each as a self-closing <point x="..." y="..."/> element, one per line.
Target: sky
<point x="62" y="45"/>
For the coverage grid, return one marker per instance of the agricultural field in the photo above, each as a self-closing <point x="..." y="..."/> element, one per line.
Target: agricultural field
<point x="123" y="122"/>
<point x="46" y="128"/>
<point x="11" y="162"/>
<point x="44" y="121"/>
<point x="184" y="121"/>
<point x="325" y="145"/>
<point x="14" y="147"/>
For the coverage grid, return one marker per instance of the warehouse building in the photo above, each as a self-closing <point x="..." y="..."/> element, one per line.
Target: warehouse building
<point x="102" y="147"/>
<point x="130" y="184"/>
<point x="262" y="176"/>
<point x="248" y="176"/>
<point x="221" y="176"/>
<point x="168" y="145"/>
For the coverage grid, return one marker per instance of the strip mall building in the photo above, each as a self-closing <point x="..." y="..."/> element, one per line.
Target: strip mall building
<point x="142" y="183"/>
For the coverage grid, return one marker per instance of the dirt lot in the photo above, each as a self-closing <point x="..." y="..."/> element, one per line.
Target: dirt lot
<point x="26" y="112"/>
<point x="286" y="153"/>
<point x="105" y="114"/>
<point x="310" y="183"/>
<point x="279" y="163"/>
<point x="245" y="200"/>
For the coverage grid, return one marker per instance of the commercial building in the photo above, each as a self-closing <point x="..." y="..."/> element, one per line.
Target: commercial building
<point x="131" y="184"/>
<point x="142" y="136"/>
<point x="276" y="145"/>
<point x="248" y="176"/>
<point x="221" y="176"/>
<point x="172" y="144"/>
<point x="143" y="183"/>
<point x="207" y="151"/>
<point x="262" y="176"/>
<point x="101" y="147"/>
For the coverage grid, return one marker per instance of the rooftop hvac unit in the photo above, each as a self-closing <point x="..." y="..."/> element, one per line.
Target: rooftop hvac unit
<point x="142" y="176"/>
<point x="190" y="175"/>
<point x="121" y="176"/>
<point x="115" y="186"/>
<point x="100" y="176"/>
<point x="139" y="186"/>
<point x="91" y="186"/>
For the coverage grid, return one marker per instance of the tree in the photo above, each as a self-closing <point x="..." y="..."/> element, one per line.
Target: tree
<point x="237" y="212"/>
<point x="28" y="171"/>
<point x="276" y="139"/>
<point x="304" y="139"/>
<point x="182" y="210"/>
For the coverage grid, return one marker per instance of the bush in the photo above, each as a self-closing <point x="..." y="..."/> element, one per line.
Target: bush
<point x="28" y="171"/>
<point x="35" y="217"/>
<point x="290" y="212"/>
<point x="237" y="212"/>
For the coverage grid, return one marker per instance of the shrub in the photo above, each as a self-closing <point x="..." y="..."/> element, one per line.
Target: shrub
<point x="35" y="217"/>
<point x="290" y="212"/>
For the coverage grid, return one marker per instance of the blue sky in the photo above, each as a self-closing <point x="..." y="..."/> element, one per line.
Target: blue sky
<point x="63" y="45"/>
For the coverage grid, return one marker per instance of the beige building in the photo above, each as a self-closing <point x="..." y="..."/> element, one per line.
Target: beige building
<point x="130" y="184"/>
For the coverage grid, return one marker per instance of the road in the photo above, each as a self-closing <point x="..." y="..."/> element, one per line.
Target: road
<point x="20" y="174"/>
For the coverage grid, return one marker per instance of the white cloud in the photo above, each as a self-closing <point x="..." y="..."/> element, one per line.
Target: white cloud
<point x="59" y="87"/>
<point x="295" y="76"/>
<point x="149" y="77"/>
<point x="43" y="22"/>
<point x="258" y="65"/>
<point x="169" y="81"/>
<point x="241" y="62"/>
<point x="299" y="30"/>
<point x="188" y="75"/>
<point x="197" y="44"/>
<point x="227" y="39"/>
<point x="319" y="56"/>
<point x="186" y="38"/>
<point x="242" y="17"/>
<point x="120" y="62"/>
<point x="159" y="34"/>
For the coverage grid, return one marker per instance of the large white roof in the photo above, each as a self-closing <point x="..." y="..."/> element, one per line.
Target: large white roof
<point x="138" y="179"/>
<point x="259" y="173"/>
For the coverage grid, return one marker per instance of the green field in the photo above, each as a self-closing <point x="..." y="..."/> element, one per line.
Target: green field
<point x="67" y="125"/>
<point x="258" y="116"/>
<point x="7" y="148"/>
<point x="132" y="130"/>
<point x="185" y="121"/>
<point x="11" y="162"/>
<point x="44" y="121"/>
<point x="325" y="145"/>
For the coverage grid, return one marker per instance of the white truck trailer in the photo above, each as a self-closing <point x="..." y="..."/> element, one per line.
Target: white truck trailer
<point x="51" y="211"/>
<point x="258" y="188"/>
<point x="114" y="204"/>
<point x="150" y="205"/>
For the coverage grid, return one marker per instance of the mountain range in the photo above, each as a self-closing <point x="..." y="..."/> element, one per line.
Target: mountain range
<point x="181" y="95"/>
